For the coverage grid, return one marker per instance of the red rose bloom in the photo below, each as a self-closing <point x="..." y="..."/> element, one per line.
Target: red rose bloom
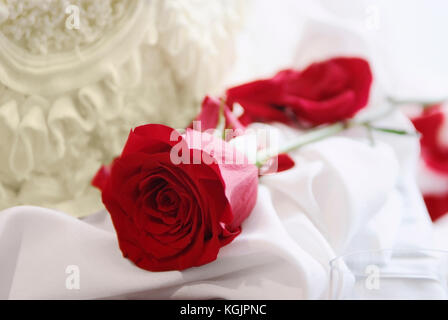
<point x="434" y="154"/>
<point x="170" y="215"/>
<point x="325" y="92"/>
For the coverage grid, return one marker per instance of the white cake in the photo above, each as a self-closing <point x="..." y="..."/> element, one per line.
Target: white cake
<point x="69" y="96"/>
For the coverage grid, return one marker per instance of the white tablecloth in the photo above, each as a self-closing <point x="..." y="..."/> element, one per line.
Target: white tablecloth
<point x="342" y="195"/>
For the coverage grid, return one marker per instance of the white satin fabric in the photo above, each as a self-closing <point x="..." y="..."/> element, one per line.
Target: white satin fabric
<point x="343" y="195"/>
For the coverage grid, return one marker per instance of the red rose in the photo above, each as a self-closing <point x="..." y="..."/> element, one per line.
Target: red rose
<point x="434" y="153"/>
<point x="325" y="92"/>
<point x="170" y="215"/>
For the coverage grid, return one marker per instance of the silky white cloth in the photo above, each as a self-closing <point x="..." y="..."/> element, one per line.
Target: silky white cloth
<point x="343" y="195"/>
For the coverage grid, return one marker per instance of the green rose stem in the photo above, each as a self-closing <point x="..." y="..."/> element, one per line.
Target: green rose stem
<point x="310" y="137"/>
<point x="321" y="133"/>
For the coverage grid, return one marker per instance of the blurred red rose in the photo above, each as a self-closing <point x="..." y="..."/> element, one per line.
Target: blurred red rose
<point x="434" y="153"/>
<point x="434" y="150"/>
<point x="325" y="92"/>
<point x="172" y="215"/>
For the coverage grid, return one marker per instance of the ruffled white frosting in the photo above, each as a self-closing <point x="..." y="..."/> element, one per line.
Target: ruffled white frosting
<point x="67" y="107"/>
<point x="40" y="26"/>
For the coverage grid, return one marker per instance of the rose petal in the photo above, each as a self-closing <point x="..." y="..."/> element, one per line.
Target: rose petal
<point x="152" y="138"/>
<point x="437" y="205"/>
